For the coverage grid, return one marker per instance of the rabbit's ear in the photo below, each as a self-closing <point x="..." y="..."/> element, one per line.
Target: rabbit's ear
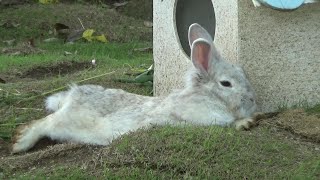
<point x="201" y="55"/>
<point x="196" y="31"/>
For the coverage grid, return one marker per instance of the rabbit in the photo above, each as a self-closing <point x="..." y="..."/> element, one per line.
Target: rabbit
<point x="216" y="93"/>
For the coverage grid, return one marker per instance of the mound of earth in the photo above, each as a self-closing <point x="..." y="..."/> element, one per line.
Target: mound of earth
<point x="60" y="68"/>
<point x="299" y="123"/>
<point x="294" y="127"/>
<point x="48" y="70"/>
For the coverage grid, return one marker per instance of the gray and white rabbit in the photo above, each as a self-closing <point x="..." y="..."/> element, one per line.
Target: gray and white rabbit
<point x="216" y="93"/>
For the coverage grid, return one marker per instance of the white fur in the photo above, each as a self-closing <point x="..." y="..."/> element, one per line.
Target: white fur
<point x="94" y="115"/>
<point x="244" y="123"/>
<point x="54" y="102"/>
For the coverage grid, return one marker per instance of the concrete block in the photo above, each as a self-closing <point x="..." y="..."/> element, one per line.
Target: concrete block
<point x="280" y="51"/>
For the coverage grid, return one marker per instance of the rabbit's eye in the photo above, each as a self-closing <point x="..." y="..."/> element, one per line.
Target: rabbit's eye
<point x="225" y="83"/>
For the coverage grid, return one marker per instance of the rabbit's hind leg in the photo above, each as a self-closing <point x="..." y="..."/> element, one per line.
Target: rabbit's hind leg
<point x="27" y="135"/>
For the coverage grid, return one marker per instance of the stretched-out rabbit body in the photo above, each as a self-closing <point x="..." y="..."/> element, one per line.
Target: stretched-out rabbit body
<point x="216" y="93"/>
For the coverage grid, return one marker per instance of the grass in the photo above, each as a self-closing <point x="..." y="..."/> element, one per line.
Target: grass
<point x="158" y="153"/>
<point x="59" y="173"/>
<point x="115" y="55"/>
<point x="314" y="109"/>
<point x="214" y="152"/>
<point x="193" y="153"/>
<point x="303" y="104"/>
<point x="37" y="20"/>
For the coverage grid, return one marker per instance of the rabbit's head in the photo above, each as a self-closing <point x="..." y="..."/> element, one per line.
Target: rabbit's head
<point x="216" y="77"/>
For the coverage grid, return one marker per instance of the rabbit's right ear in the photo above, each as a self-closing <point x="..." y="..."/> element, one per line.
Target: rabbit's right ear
<point x="196" y="31"/>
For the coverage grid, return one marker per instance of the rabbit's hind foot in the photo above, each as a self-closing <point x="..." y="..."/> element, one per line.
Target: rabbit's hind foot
<point x="26" y="136"/>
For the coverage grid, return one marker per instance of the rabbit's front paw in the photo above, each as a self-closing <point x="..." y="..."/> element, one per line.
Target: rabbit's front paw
<point x="244" y="124"/>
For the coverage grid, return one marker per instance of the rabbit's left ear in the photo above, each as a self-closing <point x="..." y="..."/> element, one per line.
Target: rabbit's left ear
<point x="196" y="31"/>
<point x="201" y="55"/>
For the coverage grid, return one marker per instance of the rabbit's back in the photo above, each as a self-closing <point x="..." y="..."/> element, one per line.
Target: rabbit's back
<point x="94" y="98"/>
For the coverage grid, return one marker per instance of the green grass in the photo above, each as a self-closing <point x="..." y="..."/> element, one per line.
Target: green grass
<point x="314" y="109"/>
<point x="59" y="173"/>
<point x="115" y="55"/>
<point x="303" y="104"/>
<point x="37" y="21"/>
<point x="198" y="153"/>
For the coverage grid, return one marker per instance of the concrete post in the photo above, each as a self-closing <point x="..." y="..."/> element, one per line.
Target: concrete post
<point x="280" y="51"/>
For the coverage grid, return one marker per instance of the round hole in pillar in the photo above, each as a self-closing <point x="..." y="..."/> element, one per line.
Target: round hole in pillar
<point x="193" y="11"/>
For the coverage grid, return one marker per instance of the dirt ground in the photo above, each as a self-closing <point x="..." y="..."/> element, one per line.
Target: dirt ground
<point x="61" y="68"/>
<point x="46" y="71"/>
<point x="293" y="125"/>
<point x="298" y="123"/>
<point x="141" y="9"/>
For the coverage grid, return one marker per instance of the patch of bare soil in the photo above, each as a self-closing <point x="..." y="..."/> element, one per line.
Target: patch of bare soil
<point x="45" y="71"/>
<point x="23" y="50"/>
<point x="13" y="2"/>
<point x="61" y="68"/>
<point x="59" y="154"/>
<point x="296" y="123"/>
<point x="294" y="126"/>
<point x="4" y="148"/>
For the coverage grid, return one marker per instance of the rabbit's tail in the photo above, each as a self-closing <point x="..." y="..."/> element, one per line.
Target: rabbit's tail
<point x="55" y="101"/>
